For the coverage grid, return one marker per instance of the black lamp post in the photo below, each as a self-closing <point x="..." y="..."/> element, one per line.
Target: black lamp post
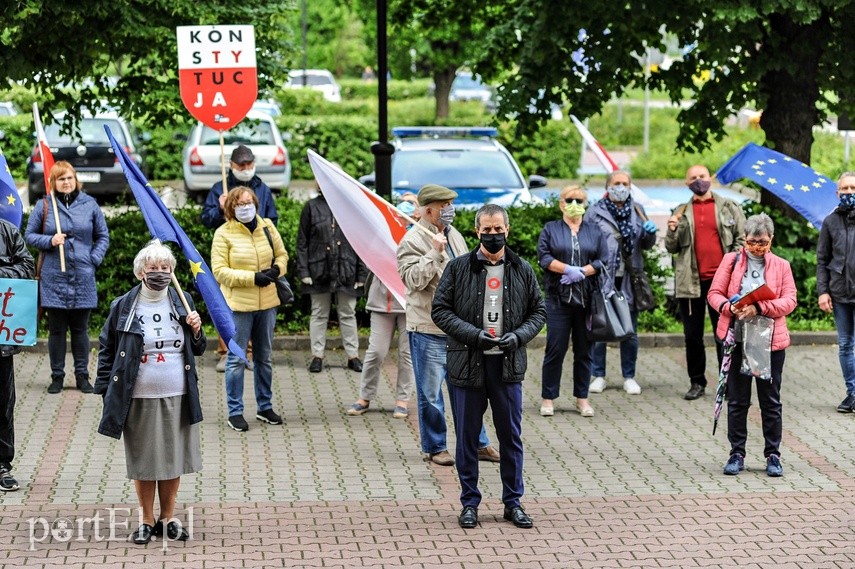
<point x="381" y="149"/>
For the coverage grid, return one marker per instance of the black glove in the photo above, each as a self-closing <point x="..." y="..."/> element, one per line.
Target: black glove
<point x="486" y="340"/>
<point x="272" y="272"/>
<point x="509" y="342"/>
<point x="261" y="279"/>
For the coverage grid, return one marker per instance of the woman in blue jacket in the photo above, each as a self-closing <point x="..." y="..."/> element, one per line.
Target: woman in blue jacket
<point x="69" y="296"/>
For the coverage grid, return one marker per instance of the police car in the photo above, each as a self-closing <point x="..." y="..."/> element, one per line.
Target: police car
<point x="469" y="160"/>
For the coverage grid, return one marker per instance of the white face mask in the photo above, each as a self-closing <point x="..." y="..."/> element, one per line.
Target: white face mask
<point x="245" y="213"/>
<point x="244" y="175"/>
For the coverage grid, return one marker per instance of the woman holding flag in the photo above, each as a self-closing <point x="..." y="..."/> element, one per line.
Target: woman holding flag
<point x="72" y="239"/>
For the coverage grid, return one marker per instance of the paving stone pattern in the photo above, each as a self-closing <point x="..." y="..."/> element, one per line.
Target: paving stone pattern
<point x="639" y="485"/>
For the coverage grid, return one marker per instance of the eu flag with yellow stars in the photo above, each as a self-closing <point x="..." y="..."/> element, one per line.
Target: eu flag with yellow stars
<point x="163" y="226"/>
<point x="804" y="189"/>
<point x="11" y="208"/>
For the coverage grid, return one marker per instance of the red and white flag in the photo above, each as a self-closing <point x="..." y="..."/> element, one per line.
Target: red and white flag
<point x="370" y="223"/>
<point x="606" y="160"/>
<point x="44" y="148"/>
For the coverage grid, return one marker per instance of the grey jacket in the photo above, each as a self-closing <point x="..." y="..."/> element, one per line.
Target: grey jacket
<point x="730" y="221"/>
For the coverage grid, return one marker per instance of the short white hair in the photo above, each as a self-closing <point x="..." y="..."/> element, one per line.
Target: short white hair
<point x="153" y="252"/>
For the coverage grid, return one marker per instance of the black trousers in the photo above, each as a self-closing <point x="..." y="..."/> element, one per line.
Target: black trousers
<point x="7" y="411"/>
<point x="60" y="321"/>
<point x="739" y="400"/>
<point x="692" y="314"/>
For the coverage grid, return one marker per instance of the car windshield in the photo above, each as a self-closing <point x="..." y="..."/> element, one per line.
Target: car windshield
<point x="246" y="132"/>
<point x="5" y="111"/>
<point x="467" y="82"/>
<point x="454" y="169"/>
<point x="311" y="80"/>
<point x="91" y="132"/>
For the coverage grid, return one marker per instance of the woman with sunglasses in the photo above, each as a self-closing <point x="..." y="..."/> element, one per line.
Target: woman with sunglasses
<point x="739" y="273"/>
<point x="570" y="250"/>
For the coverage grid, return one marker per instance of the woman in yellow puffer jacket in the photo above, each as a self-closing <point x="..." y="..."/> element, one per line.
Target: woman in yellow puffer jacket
<point x="247" y="255"/>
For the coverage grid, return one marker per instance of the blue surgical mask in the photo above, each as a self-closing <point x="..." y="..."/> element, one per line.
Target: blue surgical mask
<point x="245" y="213"/>
<point x="847" y="201"/>
<point x="619" y="193"/>
<point x="446" y="215"/>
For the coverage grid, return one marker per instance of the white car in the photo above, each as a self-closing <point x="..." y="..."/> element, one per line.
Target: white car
<point x="468" y="87"/>
<point x="316" y="79"/>
<point x="201" y="157"/>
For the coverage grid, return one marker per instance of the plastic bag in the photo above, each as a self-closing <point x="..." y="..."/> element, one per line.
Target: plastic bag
<point x="757" y="347"/>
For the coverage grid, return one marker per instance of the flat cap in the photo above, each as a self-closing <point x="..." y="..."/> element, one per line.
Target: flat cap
<point x="434" y="193"/>
<point x="242" y="154"/>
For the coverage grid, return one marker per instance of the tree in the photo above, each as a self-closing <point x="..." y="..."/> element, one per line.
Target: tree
<point x="788" y="58"/>
<point x="69" y="52"/>
<point x="334" y="38"/>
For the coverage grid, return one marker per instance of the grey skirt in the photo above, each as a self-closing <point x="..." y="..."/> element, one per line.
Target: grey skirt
<point x="160" y="444"/>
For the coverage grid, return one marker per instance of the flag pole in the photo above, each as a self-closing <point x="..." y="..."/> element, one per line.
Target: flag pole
<point x="59" y="229"/>
<point x="47" y="165"/>
<point x="223" y="162"/>
<point x="180" y="293"/>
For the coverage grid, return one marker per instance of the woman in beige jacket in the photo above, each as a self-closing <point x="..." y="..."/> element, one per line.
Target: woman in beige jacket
<point x="247" y="256"/>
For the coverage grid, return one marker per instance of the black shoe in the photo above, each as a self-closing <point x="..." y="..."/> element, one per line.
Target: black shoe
<point x="238" y="423"/>
<point x="83" y="384"/>
<point x="143" y="534"/>
<point x="518" y="516"/>
<point x="468" y="517"/>
<point x="176" y="531"/>
<point x="696" y="391"/>
<point x="55" y="385"/>
<point x="7" y="481"/>
<point x="355" y="364"/>
<point x="269" y="416"/>
<point x="316" y="366"/>
<point x="848" y="404"/>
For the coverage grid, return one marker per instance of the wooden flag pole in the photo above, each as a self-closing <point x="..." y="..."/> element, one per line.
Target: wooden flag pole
<point x="223" y="163"/>
<point x="58" y="231"/>
<point x="180" y="293"/>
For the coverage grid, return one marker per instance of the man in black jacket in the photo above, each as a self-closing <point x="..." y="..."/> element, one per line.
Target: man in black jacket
<point x="489" y="304"/>
<point x="15" y="263"/>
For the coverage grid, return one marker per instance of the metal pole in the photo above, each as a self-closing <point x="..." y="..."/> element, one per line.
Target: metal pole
<point x="304" y="26"/>
<point x="646" y="101"/>
<point x="846" y="148"/>
<point x="381" y="149"/>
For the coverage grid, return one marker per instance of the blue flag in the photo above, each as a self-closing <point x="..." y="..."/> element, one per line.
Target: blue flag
<point x="163" y="226"/>
<point x="800" y="186"/>
<point x="11" y="208"/>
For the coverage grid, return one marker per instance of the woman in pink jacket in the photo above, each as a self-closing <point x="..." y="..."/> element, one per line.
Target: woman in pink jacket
<point x="739" y="273"/>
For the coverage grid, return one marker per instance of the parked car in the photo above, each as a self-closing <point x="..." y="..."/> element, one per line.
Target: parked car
<point x="269" y="106"/>
<point x="469" y="160"/>
<point x="469" y="87"/>
<point x="317" y="79"/>
<point x="7" y="109"/>
<point x="89" y="151"/>
<point x="201" y="156"/>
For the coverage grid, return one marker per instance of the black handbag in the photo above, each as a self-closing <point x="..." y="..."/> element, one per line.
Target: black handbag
<point x="642" y="293"/>
<point x="283" y="287"/>
<point x="609" y="319"/>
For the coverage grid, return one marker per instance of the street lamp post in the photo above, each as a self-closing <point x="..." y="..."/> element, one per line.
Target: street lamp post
<point x="381" y="149"/>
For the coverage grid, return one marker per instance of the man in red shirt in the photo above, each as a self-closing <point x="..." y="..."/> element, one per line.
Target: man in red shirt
<point x="699" y="233"/>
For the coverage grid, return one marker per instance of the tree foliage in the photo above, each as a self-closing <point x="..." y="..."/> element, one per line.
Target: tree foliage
<point x="787" y="57"/>
<point x="123" y="53"/>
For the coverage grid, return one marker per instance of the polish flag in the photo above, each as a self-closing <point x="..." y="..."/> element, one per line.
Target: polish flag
<point x="606" y="160"/>
<point x="44" y="148"/>
<point x="371" y="224"/>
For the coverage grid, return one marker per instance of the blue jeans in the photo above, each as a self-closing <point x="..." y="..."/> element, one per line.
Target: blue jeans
<point x="258" y="326"/>
<point x="428" y="354"/>
<point x="844" y="319"/>
<point x="628" y="353"/>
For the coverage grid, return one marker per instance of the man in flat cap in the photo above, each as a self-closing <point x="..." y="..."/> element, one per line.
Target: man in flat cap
<point x="423" y="254"/>
<point x="241" y="173"/>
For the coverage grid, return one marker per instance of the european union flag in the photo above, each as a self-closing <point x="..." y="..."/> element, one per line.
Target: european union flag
<point x="163" y="226"/>
<point x="11" y="208"/>
<point x="800" y="186"/>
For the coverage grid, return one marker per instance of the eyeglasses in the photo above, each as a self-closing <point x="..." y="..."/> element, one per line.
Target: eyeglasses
<point x="574" y="200"/>
<point x="244" y="204"/>
<point x="757" y="242"/>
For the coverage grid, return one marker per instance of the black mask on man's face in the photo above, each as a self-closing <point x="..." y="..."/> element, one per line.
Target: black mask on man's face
<point x="493" y="242"/>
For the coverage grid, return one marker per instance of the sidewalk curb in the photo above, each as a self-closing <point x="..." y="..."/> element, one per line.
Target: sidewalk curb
<point x="645" y="340"/>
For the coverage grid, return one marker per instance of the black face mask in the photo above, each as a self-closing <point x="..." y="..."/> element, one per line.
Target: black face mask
<point x="157" y="280"/>
<point x="493" y="242"/>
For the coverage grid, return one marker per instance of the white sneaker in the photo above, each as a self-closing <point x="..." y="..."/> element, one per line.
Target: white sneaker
<point x="547" y="411"/>
<point x="631" y="386"/>
<point x="598" y="385"/>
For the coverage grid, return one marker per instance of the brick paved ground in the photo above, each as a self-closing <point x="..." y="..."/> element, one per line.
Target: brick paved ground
<point x="639" y="485"/>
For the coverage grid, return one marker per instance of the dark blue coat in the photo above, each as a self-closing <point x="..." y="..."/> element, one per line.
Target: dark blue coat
<point x="121" y="347"/>
<point x="86" y="242"/>
<point x="212" y="215"/>
<point x="555" y="244"/>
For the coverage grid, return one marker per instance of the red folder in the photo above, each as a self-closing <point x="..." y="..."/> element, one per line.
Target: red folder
<point x="762" y="292"/>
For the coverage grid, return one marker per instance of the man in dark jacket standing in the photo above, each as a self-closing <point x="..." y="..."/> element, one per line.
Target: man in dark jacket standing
<point x="489" y="304"/>
<point x="327" y="264"/>
<point x="15" y="263"/>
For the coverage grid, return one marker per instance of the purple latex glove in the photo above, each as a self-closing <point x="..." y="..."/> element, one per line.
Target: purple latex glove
<point x="572" y="274"/>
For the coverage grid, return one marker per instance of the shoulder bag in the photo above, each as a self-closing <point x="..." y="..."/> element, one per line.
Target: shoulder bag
<point x="283" y="287"/>
<point x="609" y="319"/>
